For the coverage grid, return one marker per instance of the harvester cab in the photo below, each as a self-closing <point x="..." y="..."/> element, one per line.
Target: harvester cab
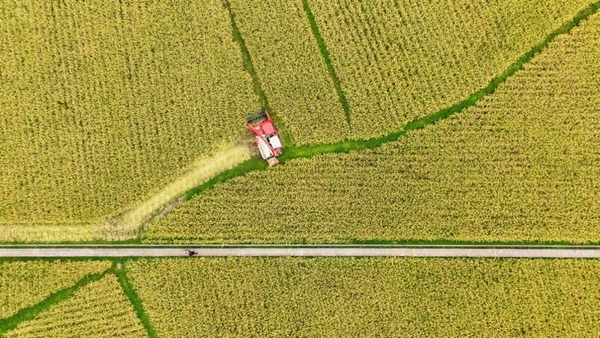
<point x="267" y="138"/>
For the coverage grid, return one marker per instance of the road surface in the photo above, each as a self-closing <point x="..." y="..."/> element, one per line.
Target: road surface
<point x="301" y="252"/>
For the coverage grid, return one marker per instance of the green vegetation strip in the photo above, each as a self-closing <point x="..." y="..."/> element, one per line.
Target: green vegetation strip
<point x="31" y="312"/>
<point x="246" y="57"/>
<point x="262" y="97"/>
<point x="292" y="152"/>
<point x="327" y="59"/>
<point x="131" y="294"/>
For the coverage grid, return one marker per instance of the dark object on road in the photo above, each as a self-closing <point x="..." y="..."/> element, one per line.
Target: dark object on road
<point x="191" y="253"/>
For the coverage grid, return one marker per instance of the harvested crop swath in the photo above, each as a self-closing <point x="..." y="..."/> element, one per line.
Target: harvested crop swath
<point x="401" y="60"/>
<point x="521" y="165"/>
<point x="99" y="309"/>
<point x="26" y="283"/>
<point x="102" y="103"/>
<point x="374" y="297"/>
<point x="292" y="71"/>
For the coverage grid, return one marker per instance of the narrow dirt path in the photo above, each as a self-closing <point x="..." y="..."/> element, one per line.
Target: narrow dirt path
<point x="127" y="225"/>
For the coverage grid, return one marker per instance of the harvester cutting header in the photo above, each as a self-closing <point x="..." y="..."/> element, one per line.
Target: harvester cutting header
<point x="267" y="137"/>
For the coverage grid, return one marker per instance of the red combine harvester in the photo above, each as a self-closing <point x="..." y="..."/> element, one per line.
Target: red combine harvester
<point x="267" y="138"/>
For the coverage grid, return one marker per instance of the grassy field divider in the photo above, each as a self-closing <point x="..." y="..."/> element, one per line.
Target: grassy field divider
<point x="31" y="312"/>
<point x="121" y="273"/>
<point x="262" y="97"/>
<point x="327" y="59"/>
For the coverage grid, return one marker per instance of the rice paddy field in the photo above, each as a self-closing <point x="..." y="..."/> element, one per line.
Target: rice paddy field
<point x="104" y="103"/>
<point x="520" y="165"/>
<point x="398" y="61"/>
<point x="26" y="283"/>
<point x="428" y="123"/>
<point x="316" y="297"/>
<point x="99" y="309"/>
<point x="112" y="112"/>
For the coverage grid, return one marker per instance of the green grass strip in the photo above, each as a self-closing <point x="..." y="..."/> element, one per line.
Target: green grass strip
<point x="293" y="152"/>
<point x="131" y="294"/>
<point x="31" y="312"/>
<point x="262" y="97"/>
<point x="325" y="53"/>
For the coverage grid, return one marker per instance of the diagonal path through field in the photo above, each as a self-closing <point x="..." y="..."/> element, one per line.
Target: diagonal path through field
<point x="169" y="196"/>
<point x="327" y="59"/>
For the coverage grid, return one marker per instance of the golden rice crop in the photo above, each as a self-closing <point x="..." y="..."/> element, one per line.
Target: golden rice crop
<point x="401" y="60"/>
<point x="99" y="309"/>
<point x="26" y="283"/>
<point x="293" y="74"/>
<point x="369" y="297"/>
<point x="102" y="103"/>
<point x="521" y="165"/>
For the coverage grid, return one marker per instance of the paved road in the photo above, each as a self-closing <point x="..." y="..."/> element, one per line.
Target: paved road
<point x="308" y="252"/>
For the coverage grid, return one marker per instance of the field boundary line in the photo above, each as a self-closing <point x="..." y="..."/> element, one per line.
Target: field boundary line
<point x="327" y="59"/>
<point x="258" y="89"/>
<point x="120" y="271"/>
<point x="33" y="311"/>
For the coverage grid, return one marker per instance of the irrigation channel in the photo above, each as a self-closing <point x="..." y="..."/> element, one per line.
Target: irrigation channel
<point x="501" y="251"/>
